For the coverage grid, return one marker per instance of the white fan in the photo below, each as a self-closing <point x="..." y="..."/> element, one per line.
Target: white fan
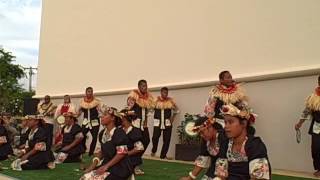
<point x="189" y="128"/>
<point x="61" y="119"/>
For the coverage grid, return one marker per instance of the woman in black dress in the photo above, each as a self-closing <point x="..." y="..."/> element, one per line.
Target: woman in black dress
<point x="23" y="134"/>
<point x="135" y="145"/>
<point x="72" y="147"/>
<point x="112" y="161"/>
<point x="5" y="147"/>
<point x="35" y="155"/>
<point x="243" y="156"/>
<point x="212" y="136"/>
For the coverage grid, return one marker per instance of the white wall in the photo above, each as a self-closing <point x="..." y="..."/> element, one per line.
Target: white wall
<point x="112" y="44"/>
<point x="278" y="104"/>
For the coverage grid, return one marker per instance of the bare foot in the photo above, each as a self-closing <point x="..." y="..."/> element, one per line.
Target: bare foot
<point x="51" y="165"/>
<point x="317" y="174"/>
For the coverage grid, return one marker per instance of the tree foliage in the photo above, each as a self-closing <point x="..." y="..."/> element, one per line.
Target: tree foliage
<point x="11" y="92"/>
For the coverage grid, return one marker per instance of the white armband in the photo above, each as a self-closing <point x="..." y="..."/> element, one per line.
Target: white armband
<point x="221" y="169"/>
<point x="259" y="169"/>
<point x="203" y="161"/>
<point x="138" y="146"/>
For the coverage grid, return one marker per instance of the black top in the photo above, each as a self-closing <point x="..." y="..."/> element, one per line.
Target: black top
<point x="134" y="136"/>
<point x="315" y="118"/>
<point x="167" y="113"/>
<point x="109" y="150"/>
<point x="42" y="156"/>
<point x="238" y="166"/>
<point x="204" y="151"/>
<point x="137" y="110"/>
<point x="94" y="114"/>
<point x="5" y="149"/>
<point x="217" y="109"/>
<point x="24" y="136"/>
<point x="69" y="137"/>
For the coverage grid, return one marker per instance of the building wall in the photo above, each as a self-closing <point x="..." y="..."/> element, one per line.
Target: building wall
<point x="112" y="44"/>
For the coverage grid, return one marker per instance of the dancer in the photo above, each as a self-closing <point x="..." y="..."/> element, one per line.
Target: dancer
<point x="112" y="161"/>
<point x="71" y="147"/>
<point x="90" y="107"/>
<point x="164" y="114"/>
<point x="212" y="136"/>
<point x="242" y="156"/>
<point x="312" y="111"/>
<point x="36" y="154"/>
<point x="141" y="102"/>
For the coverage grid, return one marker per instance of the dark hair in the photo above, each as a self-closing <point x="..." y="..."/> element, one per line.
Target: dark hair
<point x="141" y="81"/>
<point x="41" y="122"/>
<point x="164" y="89"/>
<point x="75" y="120"/>
<point x="117" y="119"/>
<point x="201" y="120"/>
<point x="127" y="115"/>
<point x="217" y="126"/>
<point x="250" y="129"/>
<point x="319" y="78"/>
<point x="221" y="74"/>
<point x="89" y="88"/>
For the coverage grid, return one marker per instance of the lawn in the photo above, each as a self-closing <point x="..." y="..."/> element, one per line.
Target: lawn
<point x="155" y="170"/>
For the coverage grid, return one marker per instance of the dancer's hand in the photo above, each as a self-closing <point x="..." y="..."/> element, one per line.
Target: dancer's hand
<point x="298" y="126"/>
<point x="64" y="149"/>
<point x="24" y="158"/>
<point x="102" y="170"/>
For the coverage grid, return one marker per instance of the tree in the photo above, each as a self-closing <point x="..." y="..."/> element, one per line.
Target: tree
<point x="12" y="94"/>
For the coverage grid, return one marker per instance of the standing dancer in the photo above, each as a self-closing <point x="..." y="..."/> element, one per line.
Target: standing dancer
<point x="90" y="107"/>
<point x="226" y="92"/>
<point x="47" y="110"/>
<point x="312" y="111"/>
<point x="164" y="114"/>
<point x="141" y="102"/>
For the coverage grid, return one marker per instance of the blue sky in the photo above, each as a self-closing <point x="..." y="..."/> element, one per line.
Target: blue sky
<point x="20" y="29"/>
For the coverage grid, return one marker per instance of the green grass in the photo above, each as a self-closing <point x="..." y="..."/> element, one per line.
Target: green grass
<point x="155" y="170"/>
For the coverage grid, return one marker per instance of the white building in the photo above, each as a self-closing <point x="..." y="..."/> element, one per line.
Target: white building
<point x="183" y="44"/>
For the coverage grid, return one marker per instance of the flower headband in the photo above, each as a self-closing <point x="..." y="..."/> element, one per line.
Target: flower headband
<point x="240" y="110"/>
<point x="34" y="117"/>
<point x="110" y="110"/>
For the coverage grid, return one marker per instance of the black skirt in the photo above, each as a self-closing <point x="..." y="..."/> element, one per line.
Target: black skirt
<point x="40" y="159"/>
<point x="5" y="148"/>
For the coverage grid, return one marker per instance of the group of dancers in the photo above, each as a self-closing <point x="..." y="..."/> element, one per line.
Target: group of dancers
<point x="122" y="135"/>
<point x="229" y="147"/>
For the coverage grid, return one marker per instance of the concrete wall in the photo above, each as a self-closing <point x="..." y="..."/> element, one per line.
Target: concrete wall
<point x="112" y="44"/>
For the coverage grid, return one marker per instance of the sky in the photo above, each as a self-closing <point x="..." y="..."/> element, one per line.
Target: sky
<point x="20" y="30"/>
